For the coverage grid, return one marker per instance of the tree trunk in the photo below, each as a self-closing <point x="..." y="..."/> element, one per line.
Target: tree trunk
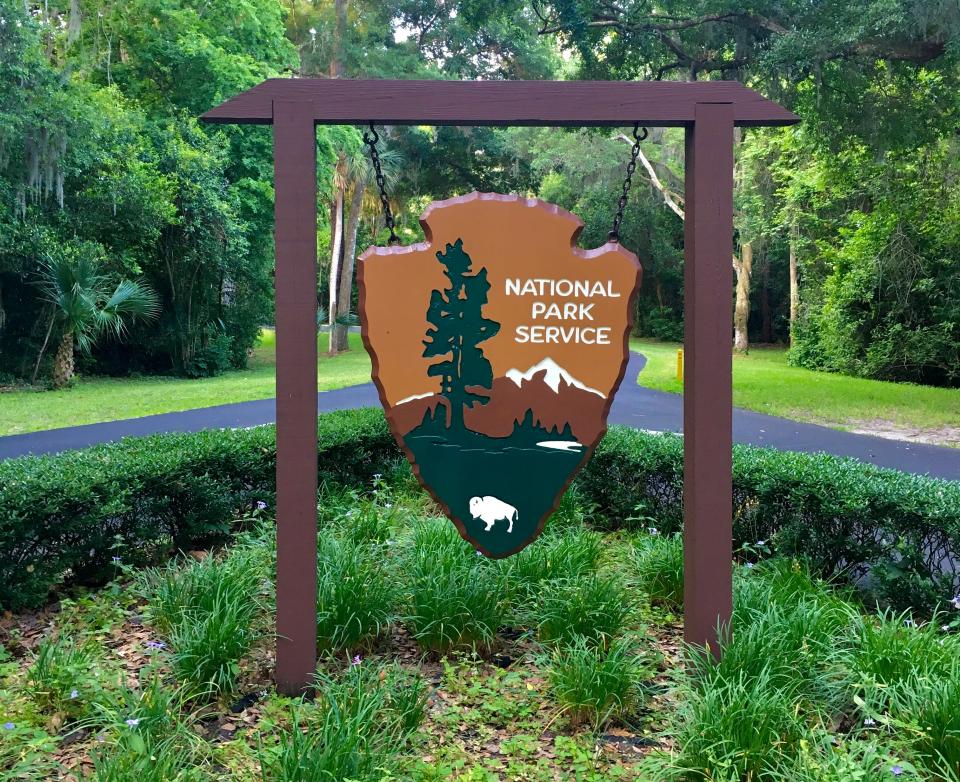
<point x="741" y="312"/>
<point x="336" y="253"/>
<point x="339" y="39"/>
<point x="766" y="309"/>
<point x="63" y="361"/>
<point x="794" y="282"/>
<point x="345" y="295"/>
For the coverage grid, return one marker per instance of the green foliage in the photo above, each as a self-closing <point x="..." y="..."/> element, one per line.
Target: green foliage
<point x="147" y="732"/>
<point x="736" y="727"/>
<point x="657" y="563"/>
<point x="887" y="307"/>
<point x="825" y="758"/>
<point x="206" y="611"/>
<point x="565" y="555"/>
<point x="355" y="593"/>
<point x="65" y="676"/>
<point x="594" y="607"/>
<point x="66" y="517"/>
<point x="927" y="709"/>
<point x="359" y="725"/>
<point x="454" y="599"/>
<point x="103" y="152"/>
<point x="595" y="684"/>
<point x="844" y="518"/>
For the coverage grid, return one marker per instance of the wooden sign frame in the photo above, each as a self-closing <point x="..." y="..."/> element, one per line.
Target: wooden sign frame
<point x="708" y="112"/>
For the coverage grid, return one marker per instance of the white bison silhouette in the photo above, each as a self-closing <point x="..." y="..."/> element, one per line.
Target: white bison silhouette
<point x="489" y="509"/>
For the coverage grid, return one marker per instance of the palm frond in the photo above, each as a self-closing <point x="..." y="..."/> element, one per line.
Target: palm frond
<point x="130" y="298"/>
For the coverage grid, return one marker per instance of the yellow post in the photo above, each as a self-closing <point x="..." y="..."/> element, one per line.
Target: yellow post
<point x="680" y="365"/>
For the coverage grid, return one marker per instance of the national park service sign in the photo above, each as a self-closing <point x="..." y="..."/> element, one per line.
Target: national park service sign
<point x="497" y="347"/>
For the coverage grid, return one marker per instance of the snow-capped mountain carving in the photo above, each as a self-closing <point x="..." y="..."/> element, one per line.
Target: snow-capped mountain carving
<point x="553" y="376"/>
<point x="554" y="397"/>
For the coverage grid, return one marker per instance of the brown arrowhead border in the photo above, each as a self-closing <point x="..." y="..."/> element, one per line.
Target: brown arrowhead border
<point x="534" y="203"/>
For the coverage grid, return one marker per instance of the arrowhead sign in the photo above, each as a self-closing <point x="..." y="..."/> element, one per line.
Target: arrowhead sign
<point x="497" y="347"/>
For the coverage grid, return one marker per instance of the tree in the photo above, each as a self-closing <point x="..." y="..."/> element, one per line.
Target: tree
<point x="85" y="308"/>
<point x="361" y="173"/>
<point x="458" y="327"/>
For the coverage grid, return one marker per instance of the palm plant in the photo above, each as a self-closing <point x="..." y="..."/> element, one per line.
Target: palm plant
<point x="85" y="308"/>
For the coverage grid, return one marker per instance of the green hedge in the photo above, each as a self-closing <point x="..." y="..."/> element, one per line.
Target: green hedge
<point x="64" y="517"/>
<point x="894" y="535"/>
<point x="67" y="516"/>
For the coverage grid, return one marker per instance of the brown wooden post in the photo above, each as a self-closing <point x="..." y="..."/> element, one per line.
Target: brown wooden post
<point x="295" y="236"/>
<point x="707" y="385"/>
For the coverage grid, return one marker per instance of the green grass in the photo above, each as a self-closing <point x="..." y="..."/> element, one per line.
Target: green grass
<point x="94" y="399"/>
<point x="763" y="381"/>
<point x="509" y="680"/>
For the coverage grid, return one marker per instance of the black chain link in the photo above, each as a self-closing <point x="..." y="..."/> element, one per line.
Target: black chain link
<point x="639" y="134"/>
<point x="371" y="139"/>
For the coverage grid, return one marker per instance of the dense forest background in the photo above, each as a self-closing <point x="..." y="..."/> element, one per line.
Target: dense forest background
<point x="847" y="226"/>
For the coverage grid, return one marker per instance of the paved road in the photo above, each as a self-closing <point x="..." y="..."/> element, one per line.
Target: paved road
<point x="641" y="408"/>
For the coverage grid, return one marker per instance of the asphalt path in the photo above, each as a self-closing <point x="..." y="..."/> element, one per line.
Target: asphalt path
<point x="640" y="408"/>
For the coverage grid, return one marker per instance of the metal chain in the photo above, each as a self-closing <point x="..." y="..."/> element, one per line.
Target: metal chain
<point x="639" y="134"/>
<point x="371" y="139"/>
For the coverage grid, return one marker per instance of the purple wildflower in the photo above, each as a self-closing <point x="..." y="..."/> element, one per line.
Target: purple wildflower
<point x="156" y="645"/>
<point x="74" y="694"/>
<point x="896" y="770"/>
<point x="132" y="722"/>
<point x="956" y="602"/>
<point x="9" y="726"/>
<point x="356" y="660"/>
<point x="261" y="505"/>
<point x="116" y="560"/>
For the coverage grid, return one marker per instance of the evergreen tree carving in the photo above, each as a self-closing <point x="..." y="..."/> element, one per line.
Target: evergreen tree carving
<point x="457" y="328"/>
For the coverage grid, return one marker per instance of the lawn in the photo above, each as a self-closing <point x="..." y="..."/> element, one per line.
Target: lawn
<point x="94" y="399"/>
<point x="763" y="381"/>
<point x="562" y="663"/>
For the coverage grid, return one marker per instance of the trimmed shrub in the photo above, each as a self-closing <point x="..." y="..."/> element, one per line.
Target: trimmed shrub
<point x="893" y="534"/>
<point x="63" y="517"/>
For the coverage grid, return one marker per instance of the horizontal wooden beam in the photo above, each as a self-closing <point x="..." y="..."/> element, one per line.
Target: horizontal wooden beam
<point x="548" y="103"/>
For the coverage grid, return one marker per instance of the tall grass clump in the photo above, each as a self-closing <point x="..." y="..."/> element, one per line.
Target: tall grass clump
<point x="926" y="711"/>
<point x="888" y="651"/>
<point x="904" y="679"/>
<point x="355" y="592"/>
<point x="356" y="730"/>
<point x="737" y="727"/>
<point x="564" y="555"/>
<point x="592" y="684"/>
<point x="147" y="733"/>
<point x="455" y="599"/>
<point x="823" y="757"/>
<point x="206" y="610"/>
<point x="65" y="675"/>
<point x="657" y="564"/>
<point x="790" y="644"/>
<point x="596" y="608"/>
